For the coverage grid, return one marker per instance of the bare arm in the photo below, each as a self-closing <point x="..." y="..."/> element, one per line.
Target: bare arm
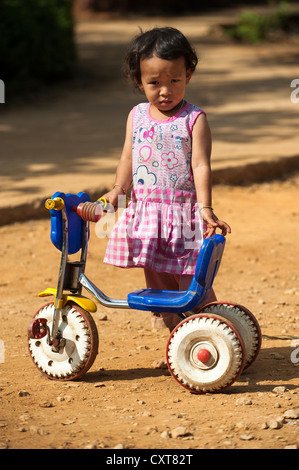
<point x="201" y="167"/>
<point x="123" y="176"/>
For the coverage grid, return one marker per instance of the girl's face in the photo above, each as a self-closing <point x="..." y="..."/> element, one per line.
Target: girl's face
<point x="164" y="82"/>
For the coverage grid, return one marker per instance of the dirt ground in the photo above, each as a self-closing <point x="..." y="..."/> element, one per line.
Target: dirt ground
<point x="122" y="401"/>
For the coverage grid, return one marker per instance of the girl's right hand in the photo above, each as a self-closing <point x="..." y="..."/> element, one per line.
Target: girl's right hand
<point x="113" y="195"/>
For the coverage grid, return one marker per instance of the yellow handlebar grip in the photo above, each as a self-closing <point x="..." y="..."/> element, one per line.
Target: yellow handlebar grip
<point x="103" y="201"/>
<point x="57" y="203"/>
<point x="49" y="204"/>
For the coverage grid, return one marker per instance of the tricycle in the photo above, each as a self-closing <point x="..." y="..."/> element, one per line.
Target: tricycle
<point x="206" y="352"/>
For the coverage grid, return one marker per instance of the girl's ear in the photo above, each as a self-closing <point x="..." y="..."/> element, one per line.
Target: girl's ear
<point x="139" y="85"/>
<point x="188" y="75"/>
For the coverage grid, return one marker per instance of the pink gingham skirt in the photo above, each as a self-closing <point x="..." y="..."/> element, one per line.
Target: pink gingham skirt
<point x="161" y="229"/>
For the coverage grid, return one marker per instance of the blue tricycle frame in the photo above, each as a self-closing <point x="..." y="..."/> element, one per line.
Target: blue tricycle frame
<point x="206" y="352"/>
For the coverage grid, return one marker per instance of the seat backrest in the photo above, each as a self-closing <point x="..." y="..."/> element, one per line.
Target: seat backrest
<point x="75" y="223"/>
<point x="208" y="263"/>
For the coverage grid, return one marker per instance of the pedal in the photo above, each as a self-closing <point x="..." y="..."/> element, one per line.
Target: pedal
<point x="37" y="328"/>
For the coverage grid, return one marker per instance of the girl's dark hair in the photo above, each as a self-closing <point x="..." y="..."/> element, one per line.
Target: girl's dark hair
<point x="166" y="43"/>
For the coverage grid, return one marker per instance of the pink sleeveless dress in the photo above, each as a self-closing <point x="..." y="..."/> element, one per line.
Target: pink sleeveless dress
<point x="161" y="228"/>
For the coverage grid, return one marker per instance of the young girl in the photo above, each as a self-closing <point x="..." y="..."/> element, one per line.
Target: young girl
<point x="166" y="155"/>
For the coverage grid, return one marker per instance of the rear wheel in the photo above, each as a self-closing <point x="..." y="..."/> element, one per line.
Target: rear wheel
<point x="205" y="353"/>
<point x="244" y="322"/>
<point x="79" y="331"/>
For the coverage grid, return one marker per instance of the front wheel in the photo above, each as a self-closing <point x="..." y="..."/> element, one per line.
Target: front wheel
<point x="79" y="331"/>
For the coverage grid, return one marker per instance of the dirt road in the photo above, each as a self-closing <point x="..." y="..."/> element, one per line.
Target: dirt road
<point x="122" y="401"/>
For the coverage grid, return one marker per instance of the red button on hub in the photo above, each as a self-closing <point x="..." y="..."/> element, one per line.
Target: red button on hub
<point x="203" y="355"/>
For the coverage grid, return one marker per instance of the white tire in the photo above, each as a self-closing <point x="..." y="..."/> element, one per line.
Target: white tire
<point x="244" y="322"/>
<point x="81" y="344"/>
<point x="218" y="340"/>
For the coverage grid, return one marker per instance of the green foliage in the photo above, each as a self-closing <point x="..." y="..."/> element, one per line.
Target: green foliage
<point x="253" y="27"/>
<point x="36" y="42"/>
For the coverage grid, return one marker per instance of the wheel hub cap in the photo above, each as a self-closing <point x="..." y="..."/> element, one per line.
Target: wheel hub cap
<point x="204" y="355"/>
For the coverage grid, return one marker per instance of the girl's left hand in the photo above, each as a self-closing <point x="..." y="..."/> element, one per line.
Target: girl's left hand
<point x="212" y="222"/>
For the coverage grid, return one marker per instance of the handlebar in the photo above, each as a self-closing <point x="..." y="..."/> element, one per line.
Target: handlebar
<point x="88" y="211"/>
<point x="91" y="211"/>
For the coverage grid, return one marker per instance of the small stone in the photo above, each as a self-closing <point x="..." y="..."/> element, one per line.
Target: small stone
<point x="280" y="419"/>
<point x="274" y="424"/>
<point x="165" y="435"/>
<point x="39" y="431"/>
<point x="24" y="418"/>
<point x="180" y="431"/>
<point x="102" y="317"/>
<point x="243" y="401"/>
<point x="119" y="446"/>
<point x="68" y="421"/>
<point x="290" y="291"/>
<point x="220" y="431"/>
<point x="68" y="398"/>
<point x="228" y="442"/>
<point x="247" y="437"/>
<point x="292" y="446"/>
<point x="279" y="389"/>
<point x="277" y="356"/>
<point x="241" y="425"/>
<point x="291" y="414"/>
<point x="46" y="404"/>
<point x="23" y="393"/>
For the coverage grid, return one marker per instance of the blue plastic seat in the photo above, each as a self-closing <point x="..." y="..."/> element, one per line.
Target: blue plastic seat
<point x="208" y="263"/>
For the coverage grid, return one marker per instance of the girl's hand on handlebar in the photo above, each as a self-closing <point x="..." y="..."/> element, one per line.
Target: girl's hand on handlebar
<point x="116" y="197"/>
<point x="113" y="195"/>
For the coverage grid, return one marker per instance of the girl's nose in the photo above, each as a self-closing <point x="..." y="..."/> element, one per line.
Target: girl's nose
<point x="164" y="91"/>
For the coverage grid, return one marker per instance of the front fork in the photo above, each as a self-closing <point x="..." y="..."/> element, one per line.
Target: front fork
<point x="38" y="328"/>
<point x="54" y="337"/>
